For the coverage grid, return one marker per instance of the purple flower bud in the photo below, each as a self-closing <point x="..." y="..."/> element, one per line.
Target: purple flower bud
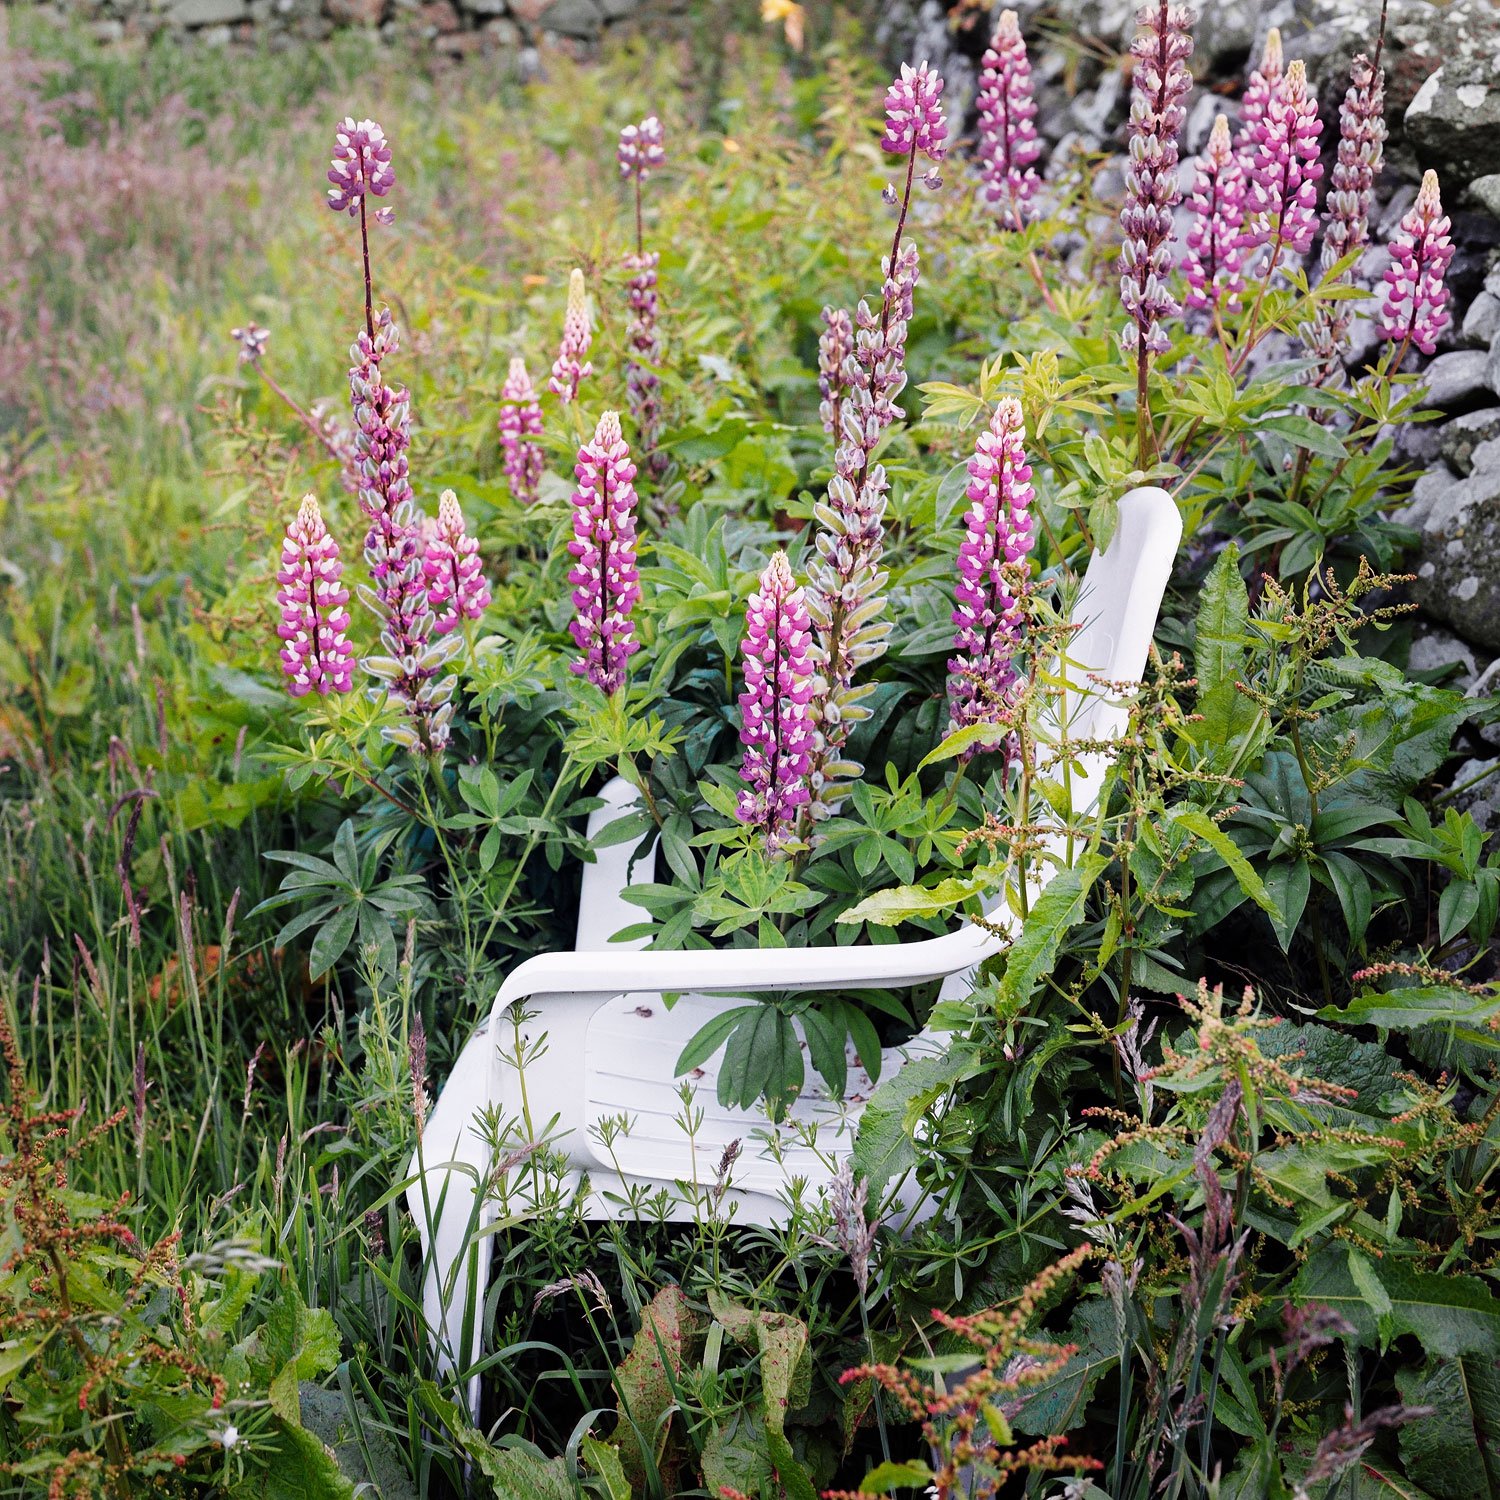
<point x="316" y="654"/>
<point x="640" y="151"/>
<point x="835" y="345"/>
<point x="991" y="559"/>
<point x="572" y="362"/>
<point x="1213" y="259"/>
<point x="776" y="723"/>
<point x="1161" y="50"/>
<point x="252" y="339"/>
<point x="605" y="579"/>
<point x="914" y="114"/>
<point x="361" y="164"/>
<point x="1008" y="144"/>
<point x="1416" y="301"/>
<point x="1284" y="169"/>
<point x="451" y="566"/>
<point x="520" y="424"/>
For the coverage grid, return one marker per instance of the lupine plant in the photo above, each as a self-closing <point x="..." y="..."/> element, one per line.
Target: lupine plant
<point x="1270" y="1211"/>
<point x="572" y="366"/>
<point x="640" y="153"/>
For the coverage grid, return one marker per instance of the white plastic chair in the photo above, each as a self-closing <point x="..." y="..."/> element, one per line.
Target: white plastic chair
<point x="611" y="1042"/>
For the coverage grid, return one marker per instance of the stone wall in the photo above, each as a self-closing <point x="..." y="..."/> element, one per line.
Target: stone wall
<point x="452" y="26"/>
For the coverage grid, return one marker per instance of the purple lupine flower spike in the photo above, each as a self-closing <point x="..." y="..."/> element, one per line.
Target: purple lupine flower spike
<point x="520" y="425"/>
<point x="316" y="655"/>
<point x="572" y="363"/>
<point x="1346" y="214"/>
<point x="361" y="164"/>
<point x="998" y="538"/>
<point x="1263" y="83"/>
<point x="914" y="123"/>
<point x="640" y="151"/>
<point x="412" y="663"/>
<point x="451" y="566"/>
<point x="642" y="383"/>
<point x="835" y="345"/>
<point x="1008" y="143"/>
<point x="1416" y="301"/>
<point x="775" y="717"/>
<point x="1284" y="169"/>
<point x="1162" y="80"/>
<point x="605" y="579"/>
<point x="1213" y="259"/>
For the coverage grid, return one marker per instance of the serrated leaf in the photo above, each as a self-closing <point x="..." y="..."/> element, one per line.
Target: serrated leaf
<point x="1219" y="653"/>
<point x="1056" y="912"/>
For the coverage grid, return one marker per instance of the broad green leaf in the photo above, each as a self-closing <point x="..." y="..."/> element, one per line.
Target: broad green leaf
<point x="1204" y="827"/>
<point x="670" y="1336"/>
<point x="884" y="1478"/>
<point x="604" y="1460"/>
<point x="1451" y="1315"/>
<point x="1455" y="1452"/>
<point x="903" y="903"/>
<point x="1421" y="1006"/>
<point x="1223" y="619"/>
<point x="1057" y="911"/>
<point x="1058" y="1403"/>
<point x="883" y="1148"/>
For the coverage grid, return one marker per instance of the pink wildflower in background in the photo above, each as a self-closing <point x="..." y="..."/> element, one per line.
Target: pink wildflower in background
<point x="451" y="566"/>
<point x="252" y="339"/>
<point x="997" y="541"/>
<point x="361" y="164"/>
<point x="1213" y="259"/>
<point x="775" y="717"/>
<point x="572" y="363"/>
<point x="1008" y="144"/>
<point x="1416" y="301"/>
<point x="605" y="579"/>
<point x="640" y="152"/>
<point x="835" y="345"/>
<point x="520" y="425"/>
<point x="1284" y="169"/>
<point x="315" y="655"/>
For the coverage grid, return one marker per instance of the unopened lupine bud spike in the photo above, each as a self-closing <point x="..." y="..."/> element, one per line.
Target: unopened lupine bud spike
<point x="914" y="123"/>
<point x="1416" y="299"/>
<point x="604" y="575"/>
<point x="776" y="723"/>
<point x="315" y="655"/>
<point x="998" y="537"/>
<point x="361" y="164"/>
<point x="1008" y="144"/>
<point x="572" y="364"/>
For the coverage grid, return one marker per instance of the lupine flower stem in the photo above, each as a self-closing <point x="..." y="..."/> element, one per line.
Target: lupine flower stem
<point x="314" y="623"/>
<point x="520" y="424"/>
<point x="845" y="599"/>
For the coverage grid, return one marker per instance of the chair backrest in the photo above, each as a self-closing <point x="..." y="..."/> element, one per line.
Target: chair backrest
<point x="1114" y="619"/>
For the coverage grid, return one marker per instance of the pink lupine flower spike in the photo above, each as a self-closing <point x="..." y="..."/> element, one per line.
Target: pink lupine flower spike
<point x="315" y="654"/>
<point x="1213" y="260"/>
<point x="998" y="536"/>
<point x="605" y="579"/>
<point x="572" y="364"/>
<point x="520" y="426"/>
<point x="776" y="723"/>
<point x="1008" y="144"/>
<point x="1415" y="310"/>
<point x="451" y="565"/>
